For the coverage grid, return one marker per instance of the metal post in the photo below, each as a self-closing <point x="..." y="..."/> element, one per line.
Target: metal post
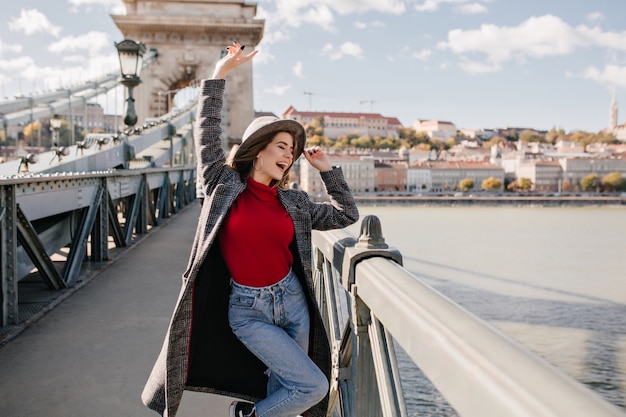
<point x="8" y="261"/>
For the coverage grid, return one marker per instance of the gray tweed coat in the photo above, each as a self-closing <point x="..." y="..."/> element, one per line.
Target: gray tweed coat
<point x="200" y="353"/>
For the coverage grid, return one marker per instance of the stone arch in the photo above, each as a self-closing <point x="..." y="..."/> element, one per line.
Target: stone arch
<point x="189" y="37"/>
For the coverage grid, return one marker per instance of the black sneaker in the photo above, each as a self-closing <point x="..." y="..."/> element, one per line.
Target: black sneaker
<point x="241" y="409"/>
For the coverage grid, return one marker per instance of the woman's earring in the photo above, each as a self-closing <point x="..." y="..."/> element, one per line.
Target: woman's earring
<point x="254" y="163"/>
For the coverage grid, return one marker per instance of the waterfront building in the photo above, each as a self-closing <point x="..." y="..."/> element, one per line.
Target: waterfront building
<point x="417" y="154"/>
<point x="91" y="119"/>
<point x="358" y="170"/>
<point x="440" y="176"/>
<point x="544" y="175"/>
<point x="575" y="169"/>
<point x="418" y="177"/>
<point x="468" y="150"/>
<point x="435" y="128"/>
<point x="338" y="124"/>
<point x="390" y="176"/>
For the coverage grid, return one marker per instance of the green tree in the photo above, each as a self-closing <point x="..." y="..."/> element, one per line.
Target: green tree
<point x="493" y="141"/>
<point x="589" y="181"/>
<point x="524" y="184"/>
<point x="342" y="142"/>
<point x="315" y="127"/>
<point x="531" y="136"/>
<point x="364" y="142"/>
<point x="614" y="182"/>
<point x="491" y="184"/>
<point x="466" y="184"/>
<point x="450" y="142"/>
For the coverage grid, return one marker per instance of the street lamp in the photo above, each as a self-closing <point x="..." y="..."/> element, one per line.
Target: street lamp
<point x="131" y="61"/>
<point x="55" y="126"/>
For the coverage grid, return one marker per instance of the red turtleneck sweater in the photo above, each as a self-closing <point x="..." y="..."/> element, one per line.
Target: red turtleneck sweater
<point x="255" y="237"/>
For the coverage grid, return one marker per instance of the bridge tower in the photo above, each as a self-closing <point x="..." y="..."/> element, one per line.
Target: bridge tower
<point x="190" y="37"/>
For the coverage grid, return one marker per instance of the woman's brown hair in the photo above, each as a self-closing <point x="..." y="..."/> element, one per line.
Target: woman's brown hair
<point x="244" y="157"/>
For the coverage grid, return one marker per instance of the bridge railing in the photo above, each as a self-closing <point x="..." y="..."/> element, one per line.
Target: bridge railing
<point x="51" y="226"/>
<point x="369" y="300"/>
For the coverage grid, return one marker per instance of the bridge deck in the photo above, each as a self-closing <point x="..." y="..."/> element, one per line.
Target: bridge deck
<point x="91" y="355"/>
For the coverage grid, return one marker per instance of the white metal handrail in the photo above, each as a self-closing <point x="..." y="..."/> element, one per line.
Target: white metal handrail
<point x="480" y="371"/>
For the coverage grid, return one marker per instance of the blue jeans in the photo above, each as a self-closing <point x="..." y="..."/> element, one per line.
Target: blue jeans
<point x="273" y="323"/>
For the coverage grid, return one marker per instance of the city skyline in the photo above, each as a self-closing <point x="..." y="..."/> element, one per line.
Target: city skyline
<point x="475" y="63"/>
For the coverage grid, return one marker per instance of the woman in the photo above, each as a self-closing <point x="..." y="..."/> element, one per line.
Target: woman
<point x="246" y="323"/>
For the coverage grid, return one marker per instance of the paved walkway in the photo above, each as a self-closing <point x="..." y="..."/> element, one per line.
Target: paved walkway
<point x="91" y="355"/>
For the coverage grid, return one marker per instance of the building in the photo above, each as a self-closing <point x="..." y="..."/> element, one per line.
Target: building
<point x="618" y="130"/>
<point x="358" y="170"/>
<point x="575" y="169"/>
<point x="390" y="176"/>
<point x="544" y="175"/>
<point x="435" y="128"/>
<point x="440" y="176"/>
<point x="339" y="124"/>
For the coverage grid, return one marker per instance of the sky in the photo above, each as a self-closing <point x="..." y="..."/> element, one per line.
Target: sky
<point x="476" y="63"/>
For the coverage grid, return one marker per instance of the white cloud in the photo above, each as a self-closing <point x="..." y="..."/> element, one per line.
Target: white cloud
<point x="297" y="70"/>
<point x="294" y="13"/>
<point x="348" y="6"/>
<point x="346" y="49"/>
<point x="374" y="24"/>
<point x="535" y="38"/>
<point x="32" y="21"/>
<point x="270" y="37"/>
<point x="611" y="75"/>
<point x="114" y="6"/>
<point x="595" y="17"/>
<point x="422" y="55"/>
<point x="433" y="6"/>
<point x="473" y="67"/>
<point x="74" y="58"/>
<point x="278" y="90"/>
<point x="92" y="42"/>
<point x="16" y="65"/>
<point x="5" y="47"/>
<point x="263" y="57"/>
<point x="472" y="8"/>
<point x="406" y="52"/>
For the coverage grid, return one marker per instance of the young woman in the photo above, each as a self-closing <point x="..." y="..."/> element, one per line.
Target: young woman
<point x="246" y="323"/>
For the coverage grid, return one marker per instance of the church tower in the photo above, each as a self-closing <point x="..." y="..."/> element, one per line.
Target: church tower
<point x="189" y="37"/>
<point x="613" y="114"/>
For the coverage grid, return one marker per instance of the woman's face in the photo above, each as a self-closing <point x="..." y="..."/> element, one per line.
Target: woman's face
<point x="273" y="160"/>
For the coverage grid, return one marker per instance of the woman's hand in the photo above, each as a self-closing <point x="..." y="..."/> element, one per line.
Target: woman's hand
<point x="232" y="59"/>
<point x="318" y="159"/>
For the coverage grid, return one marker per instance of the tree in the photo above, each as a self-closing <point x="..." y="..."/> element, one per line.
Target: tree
<point x="531" y="136"/>
<point x="524" y="184"/>
<point x="466" y="184"/>
<point x="450" y="143"/>
<point x="315" y="127"/>
<point x="553" y="136"/>
<point x="614" y="182"/>
<point x="589" y="181"/>
<point x="493" y="141"/>
<point x="364" y="142"/>
<point x="32" y="132"/>
<point x="491" y="184"/>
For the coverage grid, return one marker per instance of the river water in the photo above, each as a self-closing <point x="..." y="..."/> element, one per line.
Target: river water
<point x="551" y="278"/>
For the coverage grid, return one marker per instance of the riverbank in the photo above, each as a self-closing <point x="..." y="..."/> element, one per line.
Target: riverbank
<point x="480" y="200"/>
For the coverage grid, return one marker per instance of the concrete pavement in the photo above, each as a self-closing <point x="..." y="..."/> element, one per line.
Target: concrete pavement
<point x="91" y="355"/>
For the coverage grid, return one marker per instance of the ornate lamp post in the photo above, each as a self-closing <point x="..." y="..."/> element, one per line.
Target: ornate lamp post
<point x="55" y="126"/>
<point x="131" y="60"/>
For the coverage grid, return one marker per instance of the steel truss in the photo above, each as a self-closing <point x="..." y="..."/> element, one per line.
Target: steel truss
<point x="51" y="227"/>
